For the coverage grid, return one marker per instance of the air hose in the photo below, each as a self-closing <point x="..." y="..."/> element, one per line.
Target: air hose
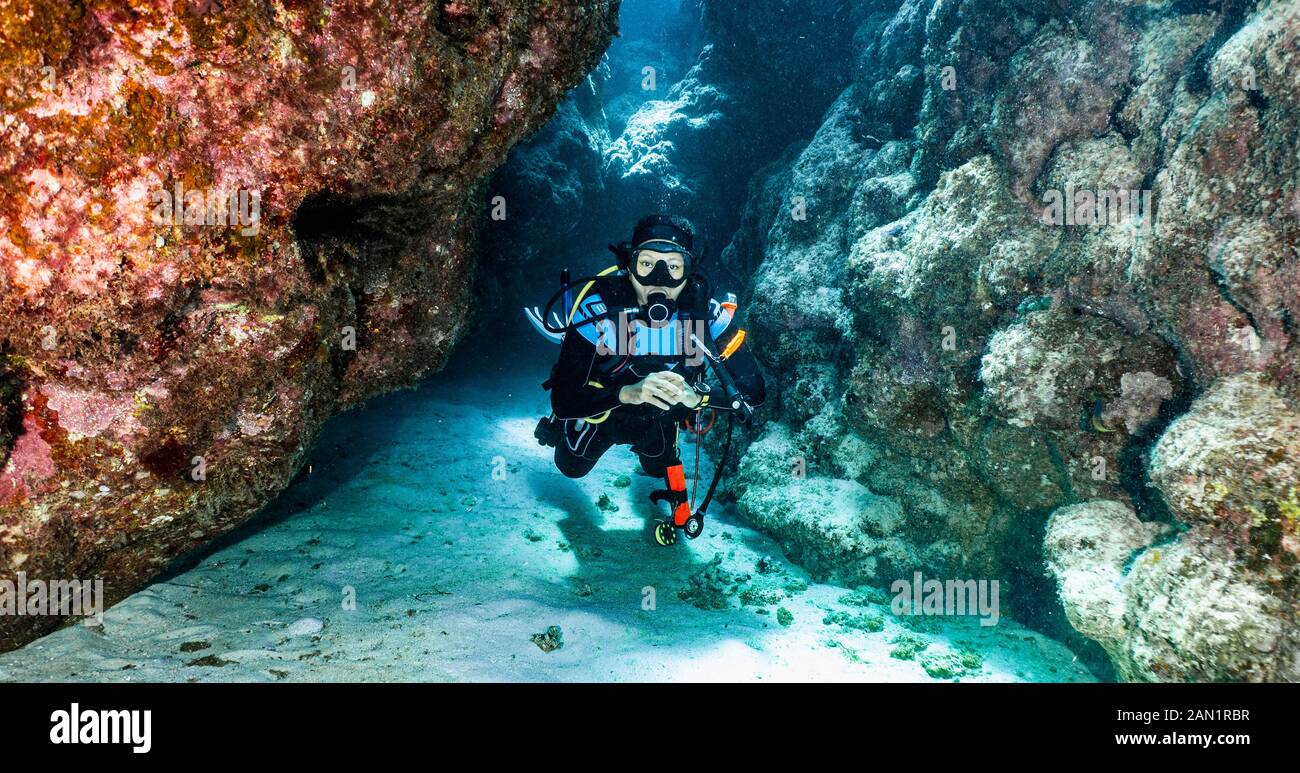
<point x="702" y="510"/>
<point x="565" y="287"/>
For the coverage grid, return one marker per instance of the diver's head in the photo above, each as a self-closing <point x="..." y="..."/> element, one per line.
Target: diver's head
<point x="660" y="258"/>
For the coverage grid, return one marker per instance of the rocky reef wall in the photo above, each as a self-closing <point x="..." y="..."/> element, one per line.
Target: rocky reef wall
<point x="975" y="384"/>
<point x="221" y="223"/>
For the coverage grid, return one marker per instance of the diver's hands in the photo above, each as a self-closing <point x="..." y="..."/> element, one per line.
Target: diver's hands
<point x="662" y="389"/>
<point x="686" y="395"/>
<point x="690" y="398"/>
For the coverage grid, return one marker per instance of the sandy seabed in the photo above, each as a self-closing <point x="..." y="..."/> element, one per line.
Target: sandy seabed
<point x="433" y="539"/>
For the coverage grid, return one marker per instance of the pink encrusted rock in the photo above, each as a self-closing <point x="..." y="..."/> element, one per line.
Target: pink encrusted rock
<point x="30" y="464"/>
<point x="203" y="207"/>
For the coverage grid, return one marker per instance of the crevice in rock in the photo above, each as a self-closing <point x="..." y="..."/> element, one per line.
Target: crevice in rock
<point x="1040" y="606"/>
<point x="1220" y="281"/>
<point x="170" y="329"/>
<point x="1233" y="14"/>
<point x="333" y="230"/>
<point x="1259" y="101"/>
<point x="341" y="357"/>
<point x="11" y="408"/>
<point x="461" y="22"/>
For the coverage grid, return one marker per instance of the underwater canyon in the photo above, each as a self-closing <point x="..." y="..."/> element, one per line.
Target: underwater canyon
<point x="1101" y="413"/>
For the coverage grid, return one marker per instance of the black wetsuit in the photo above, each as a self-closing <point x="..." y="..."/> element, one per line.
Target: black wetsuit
<point x="585" y="384"/>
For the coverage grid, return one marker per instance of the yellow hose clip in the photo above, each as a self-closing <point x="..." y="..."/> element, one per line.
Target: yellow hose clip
<point x="603" y="416"/>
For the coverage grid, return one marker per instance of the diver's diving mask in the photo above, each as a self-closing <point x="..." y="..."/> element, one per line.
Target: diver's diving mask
<point x="660" y="274"/>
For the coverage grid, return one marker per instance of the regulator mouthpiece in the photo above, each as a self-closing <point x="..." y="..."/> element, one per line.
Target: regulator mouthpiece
<point x="659" y="308"/>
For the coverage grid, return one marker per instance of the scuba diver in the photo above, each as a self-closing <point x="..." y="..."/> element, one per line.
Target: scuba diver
<point x="645" y="351"/>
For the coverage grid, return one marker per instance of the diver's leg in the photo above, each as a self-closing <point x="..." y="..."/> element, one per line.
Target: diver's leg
<point x="581" y="445"/>
<point x="655" y="466"/>
<point x="572" y="465"/>
<point x="657" y="450"/>
<point x="657" y="447"/>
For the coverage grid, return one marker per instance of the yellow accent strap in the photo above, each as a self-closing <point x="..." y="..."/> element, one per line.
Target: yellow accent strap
<point x="736" y="341"/>
<point x="583" y="294"/>
<point x="598" y="385"/>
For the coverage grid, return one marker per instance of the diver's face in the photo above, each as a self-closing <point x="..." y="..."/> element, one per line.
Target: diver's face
<point x="644" y="262"/>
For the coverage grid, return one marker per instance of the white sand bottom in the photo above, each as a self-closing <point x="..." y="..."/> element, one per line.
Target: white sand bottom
<point x="453" y="571"/>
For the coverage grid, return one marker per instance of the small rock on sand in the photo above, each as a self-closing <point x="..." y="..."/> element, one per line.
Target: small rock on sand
<point x="550" y="641"/>
<point x="305" y="627"/>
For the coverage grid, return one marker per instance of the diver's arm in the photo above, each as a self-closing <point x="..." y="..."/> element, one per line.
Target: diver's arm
<point x="573" y="394"/>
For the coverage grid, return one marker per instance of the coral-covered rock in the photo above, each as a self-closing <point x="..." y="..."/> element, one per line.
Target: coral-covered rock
<point x="968" y="249"/>
<point x="1061" y="85"/>
<point x="219" y="224"/>
<point x="1088" y="548"/>
<point x="1181" y="610"/>
<point x="1000" y="364"/>
<point x="1051" y="369"/>
<point x="1233" y="462"/>
<point x="836" y="528"/>
<point x="1221" y="270"/>
<point x="1198" y="617"/>
<point x="667" y="138"/>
